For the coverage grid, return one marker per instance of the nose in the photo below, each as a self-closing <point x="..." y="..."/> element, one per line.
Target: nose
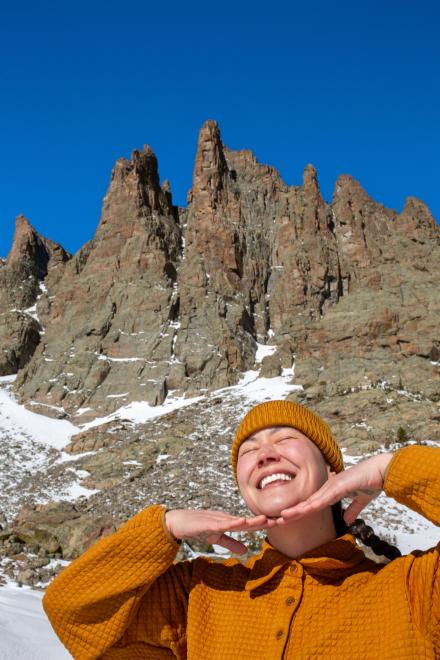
<point x="267" y="454"/>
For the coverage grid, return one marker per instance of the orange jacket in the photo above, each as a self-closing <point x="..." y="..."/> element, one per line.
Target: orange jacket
<point x="125" y="599"/>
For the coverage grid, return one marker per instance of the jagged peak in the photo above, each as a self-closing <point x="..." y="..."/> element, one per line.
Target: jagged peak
<point x="21" y="220"/>
<point x="243" y="154"/>
<point x="209" y="146"/>
<point x="142" y="161"/>
<point x="247" y="164"/>
<point x="347" y="182"/>
<point x="134" y="191"/>
<point x="142" y="171"/>
<point x="209" y="129"/>
<point x="348" y="187"/>
<point x="310" y="179"/>
<point x="414" y="204"/>
<point x="166" y="189"/>
<point x="210" y="163"/>
<point x="24" y="235"/>
<point x="143" y="154"/>
<point x="29" y="245"/>
<point x="416" y="216"/>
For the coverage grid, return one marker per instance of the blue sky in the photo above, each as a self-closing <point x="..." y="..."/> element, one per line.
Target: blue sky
<point x="350" y="87"/>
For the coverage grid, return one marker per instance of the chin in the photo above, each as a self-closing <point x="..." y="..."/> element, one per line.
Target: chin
<point x="273" y="507"/>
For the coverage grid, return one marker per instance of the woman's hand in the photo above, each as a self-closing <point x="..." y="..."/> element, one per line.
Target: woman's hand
<point x="210" y="526"/>
<point x="361" y="483"/>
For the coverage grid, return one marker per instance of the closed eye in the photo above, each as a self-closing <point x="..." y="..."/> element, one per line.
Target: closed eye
<point x="246" y="451"/>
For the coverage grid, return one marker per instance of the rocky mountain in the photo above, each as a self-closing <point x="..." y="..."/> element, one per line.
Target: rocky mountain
<point x="169" y="299"/>
<point x="252" y="277"/>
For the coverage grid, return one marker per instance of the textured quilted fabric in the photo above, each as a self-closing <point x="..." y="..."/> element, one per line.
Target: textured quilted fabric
<point x="124" y="599"/>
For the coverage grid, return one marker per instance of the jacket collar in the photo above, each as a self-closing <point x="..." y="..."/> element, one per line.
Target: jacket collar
<point x="338" y="557"/>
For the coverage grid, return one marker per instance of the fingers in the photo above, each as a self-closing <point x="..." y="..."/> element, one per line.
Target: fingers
<point x="186" y="523"/>
<point x="252" y="524"/>
<point x="324" y="497"/>
<point x="360" y="484"/>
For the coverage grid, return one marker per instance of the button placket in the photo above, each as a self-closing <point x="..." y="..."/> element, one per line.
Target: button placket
<point x="290" y="591"/>
<point x="292" y="599"/>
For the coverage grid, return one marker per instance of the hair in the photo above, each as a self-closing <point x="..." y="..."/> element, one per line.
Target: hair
<point x="364" y="533"/>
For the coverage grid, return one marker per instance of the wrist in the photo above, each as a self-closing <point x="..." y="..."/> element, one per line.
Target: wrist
<point x="168" y="515"/>
<point x="384" y="461"/>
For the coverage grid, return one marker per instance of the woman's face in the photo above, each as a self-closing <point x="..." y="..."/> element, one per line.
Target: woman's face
<point x="278" y="468"/>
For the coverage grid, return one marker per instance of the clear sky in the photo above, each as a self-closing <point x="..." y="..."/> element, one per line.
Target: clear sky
<point x="348" y="86"/>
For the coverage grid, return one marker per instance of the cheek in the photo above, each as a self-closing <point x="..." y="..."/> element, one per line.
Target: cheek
<point x="321" y="473"/>
<point x="243" y="469"/>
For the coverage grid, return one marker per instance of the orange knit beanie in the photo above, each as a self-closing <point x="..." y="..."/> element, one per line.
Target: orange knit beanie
<point x="288" y="413"/>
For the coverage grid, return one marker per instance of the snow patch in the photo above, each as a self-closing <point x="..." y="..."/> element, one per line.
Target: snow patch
<point x="25" y="631"/>
<point x="256" y="390"/>
<point x="18" y="421"/>
<point x="101" y="356"/>
<point x="32" y="311"/>
<point x="73" y="492"/>
<point x="8" y="379"/>
<point x="81" y="411"/>
<point x="264" y="350"/>
<point x="139" y="412"/>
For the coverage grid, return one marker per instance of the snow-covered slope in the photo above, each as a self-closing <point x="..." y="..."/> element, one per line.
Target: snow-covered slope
<point x="31" y="443"/>
<point x="25" y="632"/>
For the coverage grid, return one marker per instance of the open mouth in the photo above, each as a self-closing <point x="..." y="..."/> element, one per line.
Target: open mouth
<point x="272" y="478"/>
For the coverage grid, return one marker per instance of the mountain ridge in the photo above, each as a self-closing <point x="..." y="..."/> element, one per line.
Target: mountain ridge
<point x="170" y="299"/>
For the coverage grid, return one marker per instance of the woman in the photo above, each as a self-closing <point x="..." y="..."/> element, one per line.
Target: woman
<point x="310" y="593"/>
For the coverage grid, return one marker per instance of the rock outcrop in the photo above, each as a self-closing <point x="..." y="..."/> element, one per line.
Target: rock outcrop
<point x="22" y="275"/>
<point x="109" y="318"/>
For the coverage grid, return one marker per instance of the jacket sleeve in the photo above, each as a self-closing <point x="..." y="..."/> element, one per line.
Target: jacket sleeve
<point x="413" y="478"/>
<point x="124" y="594"/>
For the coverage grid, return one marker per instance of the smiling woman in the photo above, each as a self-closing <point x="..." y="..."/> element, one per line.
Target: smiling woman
<point x="310" y="593"/>
<point x="277" y="468"/>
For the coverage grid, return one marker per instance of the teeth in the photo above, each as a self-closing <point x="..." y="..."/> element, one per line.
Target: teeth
<point x="274" y="477"/>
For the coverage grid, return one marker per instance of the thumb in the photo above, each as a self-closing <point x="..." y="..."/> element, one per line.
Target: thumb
<point x="352" y="511"/>
<point x="237" y="547"/>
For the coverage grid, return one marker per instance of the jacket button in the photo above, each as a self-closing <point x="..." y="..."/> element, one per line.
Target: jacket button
<point x="290" y="600"/>
<point x="279" y="633"/>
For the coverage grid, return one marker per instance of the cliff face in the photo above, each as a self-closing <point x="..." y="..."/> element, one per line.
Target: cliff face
<point x="169" y="299"/>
